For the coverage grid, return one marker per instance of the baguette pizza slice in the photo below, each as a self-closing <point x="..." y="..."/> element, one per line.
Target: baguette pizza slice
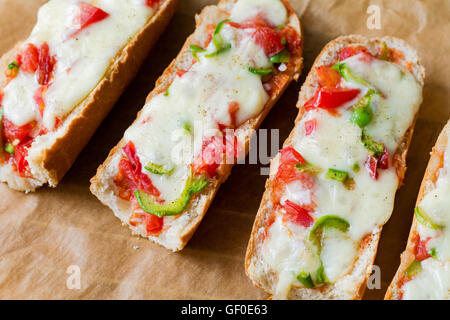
<point x="332" y="187"/>
<point x="162" y="176"/>
<point x="58" y="85"/>
<point x="424" y="272"/>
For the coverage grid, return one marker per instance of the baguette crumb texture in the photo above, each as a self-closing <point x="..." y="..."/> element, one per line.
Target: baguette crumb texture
<point x="51" y="155"/>
<point x="352" y="285"/>
<point x="179" y="229"/>
<point x="427" y="185"/>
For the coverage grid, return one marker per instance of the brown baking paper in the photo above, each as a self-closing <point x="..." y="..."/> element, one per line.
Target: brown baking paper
<point x="50" y="237"/>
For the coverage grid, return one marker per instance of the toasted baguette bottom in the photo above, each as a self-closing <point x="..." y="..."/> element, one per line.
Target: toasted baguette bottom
<point x="51" y="155"/>
<point x="183" y="226"/>
<point x="434" y="165"/>
<point x="352" y="285"/>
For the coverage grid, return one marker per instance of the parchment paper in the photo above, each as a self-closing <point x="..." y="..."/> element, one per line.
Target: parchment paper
<point x="43" y="234"/>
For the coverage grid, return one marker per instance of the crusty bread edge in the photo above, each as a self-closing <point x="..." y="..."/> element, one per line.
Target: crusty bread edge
<point x="97" y="182"/>
<point x="51" y="156"/>
<point x="434" y="165"/>
<point x="365" y="261"/>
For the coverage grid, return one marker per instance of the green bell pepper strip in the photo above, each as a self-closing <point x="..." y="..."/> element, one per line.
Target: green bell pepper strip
<point x="187" y="127"/>
<point x="321" y="276"/>
<point x="196" y="49"/>
<point x="337" y="175"/>
<point x="356" y="167"/>
<point x="13" y="65"/>
<point x="219" y="51"/>
<point x="281" y="57"/>
<point x="433" y="253"/>
<point x="305" y="279"/>
<point x="9" y="148"/>
<point x="326" y="222"/>
<point x="424" y="219"/>
<point x="148" y="203"/>
<point x="158" y="169"/>
<point x="413" y="269"/>
<point x="347" y="74"/>
<point x="362" y="113"/>
<point x="308" y="167"/>
<point x="217" y="38"/>
<point x="370" y="144"/>
<point x="261" y="71"/>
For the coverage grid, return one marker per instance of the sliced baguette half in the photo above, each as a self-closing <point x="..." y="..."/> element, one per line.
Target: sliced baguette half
<point x="184" y="225"/>
<point x="51" y="155"/>
<point x="428" y="184"/>
<point x="352" y="285"/>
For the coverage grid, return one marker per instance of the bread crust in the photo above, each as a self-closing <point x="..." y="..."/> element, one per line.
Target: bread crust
<point x="363" y="265"/>
<point x="431" y="174"/>
<point x="182" y="61"/>
<point x="51" y="156"/>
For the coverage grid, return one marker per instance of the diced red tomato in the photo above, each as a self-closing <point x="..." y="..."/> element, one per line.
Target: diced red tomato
<point x="181" y="72"/>
<point x="420" y="250"/>
<point x="383" y="162"/>
<point x="12" y="132"/>
<point x="46" y="64"/>
<point x="328" y="77"/>
<point x="290" y="156"/>
<point x="152" y="3"/>
<point x="215" y="150"/>
<point x="287" y="173"/>
<point x="352" y="51"/>
<point x="331" y="98"/>
<point x="39" y="98"/>
<point x="293" y="40"/>
<point x="297" y="214"/>
<point x="130" y="176"/>
<point x="28" y="58"/>
<point x="87" y="15"/>
<point x="371" y="165"/>
<point x="20" y="153"/>
<point x="1" y="98"/>
<point x="153" y="224"/>
<point x="269" y="40"/>
<point x="310" y="126"/>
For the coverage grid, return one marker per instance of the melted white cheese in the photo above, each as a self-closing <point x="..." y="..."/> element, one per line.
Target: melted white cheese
<point x="434" y="280"/>
<point x="336" y="144"/>
<point x="82" y="60"/>
<point x="201" y="98"/>
<point x="273" y="10"/>
<point x="288" y="254"/>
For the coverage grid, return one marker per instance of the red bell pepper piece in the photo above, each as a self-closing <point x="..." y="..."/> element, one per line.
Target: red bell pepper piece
<point x="87" y="15"/>
<point x="297" y="214"/>
<point x="371" y="165"/>
<point x="331" y="98"/>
